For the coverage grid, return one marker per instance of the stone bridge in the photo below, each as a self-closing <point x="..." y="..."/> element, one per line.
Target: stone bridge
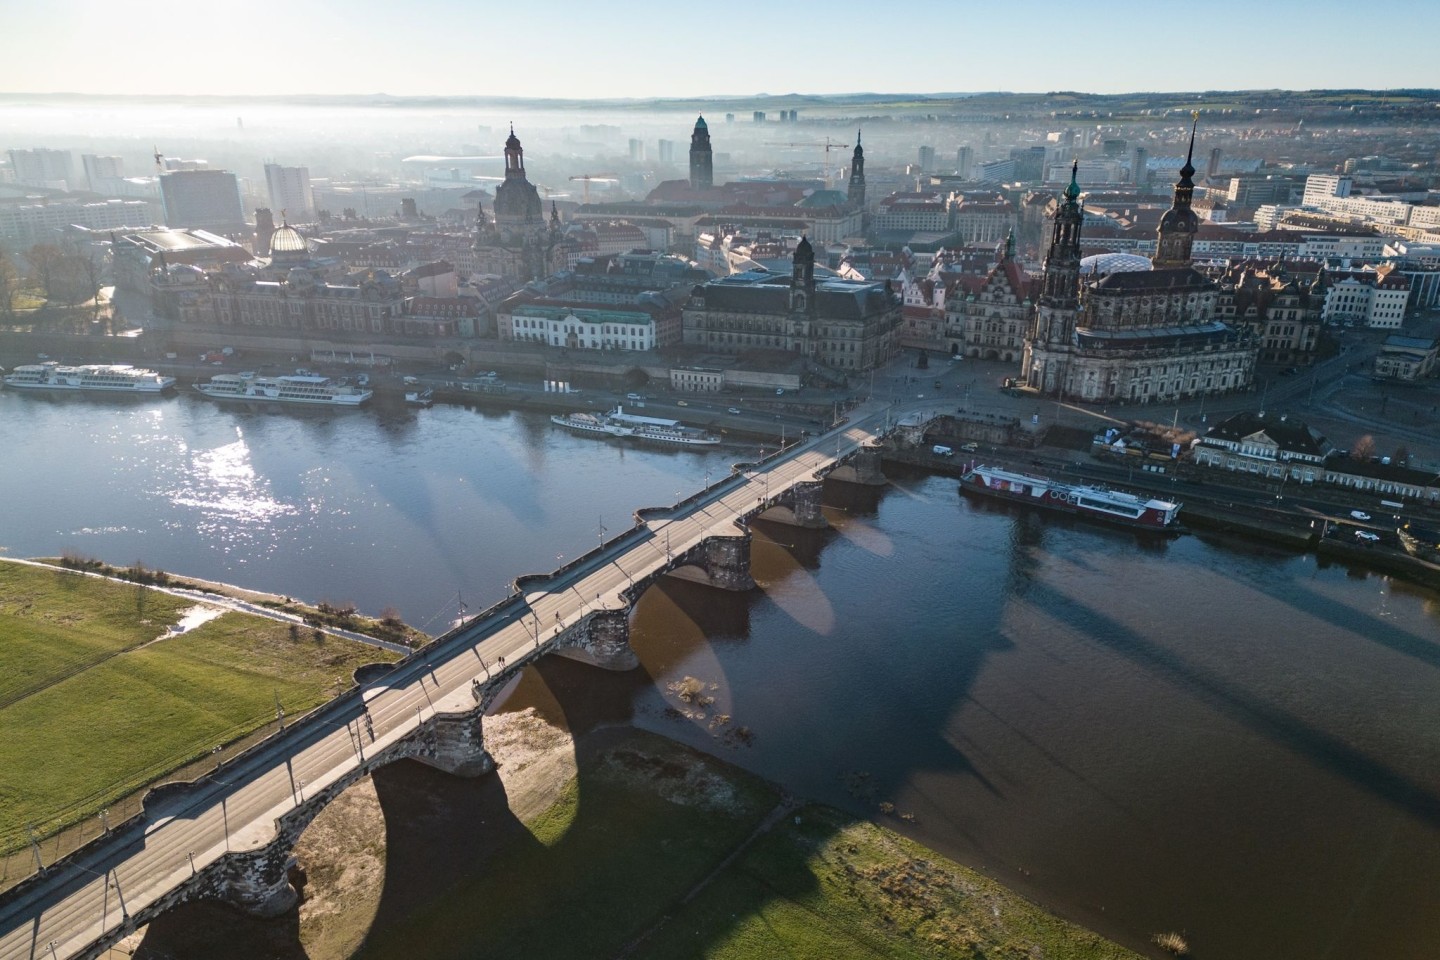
<point x="231" y="834"/>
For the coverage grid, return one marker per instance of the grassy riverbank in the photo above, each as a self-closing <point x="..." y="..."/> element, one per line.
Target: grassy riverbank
<point x="643" y="825"/>
<point x="108" y="702"/>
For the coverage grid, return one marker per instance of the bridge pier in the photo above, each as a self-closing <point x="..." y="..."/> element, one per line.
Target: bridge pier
<point x="807" y="505"/>
<point x="727" y="561"/>
<point x="257" y="883"/>
<point x="601" y="640"/>
<point x="863" y="467"/>
<point x="455" y="744"/>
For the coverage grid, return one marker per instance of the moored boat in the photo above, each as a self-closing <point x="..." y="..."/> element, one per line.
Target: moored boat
<point x="92" y="377"/>
<point x="420" y="398"/>
<point x="306" y="390"/>
<point x="618" y="423"/>
<point x="1095" y="502"/>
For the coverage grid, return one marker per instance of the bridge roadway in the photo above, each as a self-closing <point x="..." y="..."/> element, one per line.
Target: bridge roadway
<point x="86" y="899"/>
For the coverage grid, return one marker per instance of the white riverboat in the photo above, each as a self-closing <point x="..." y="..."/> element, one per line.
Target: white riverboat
<point x="618" y="423"/>
<point x="1095" y="502"/>
<point x="93" y="377"/>
<point x="302" y="389"/>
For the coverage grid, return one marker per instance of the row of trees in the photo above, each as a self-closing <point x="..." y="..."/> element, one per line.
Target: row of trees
<point x="64" y="275"/>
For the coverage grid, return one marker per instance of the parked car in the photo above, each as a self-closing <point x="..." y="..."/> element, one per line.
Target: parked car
<point x="970" y="447"/>
<point x="1367" y="536"/>
<point x="682" y="403"/>
<point x="1359" y="514"/>
<point x="733" y="410"/>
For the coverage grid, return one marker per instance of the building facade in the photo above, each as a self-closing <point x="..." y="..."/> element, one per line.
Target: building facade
<point x="990" y="320"/>
<point x="847" y="325"/>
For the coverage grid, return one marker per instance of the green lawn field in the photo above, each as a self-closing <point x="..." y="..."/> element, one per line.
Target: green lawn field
<point x="95" y="706"/>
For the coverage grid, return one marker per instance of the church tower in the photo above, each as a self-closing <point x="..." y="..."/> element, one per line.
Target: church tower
<point x="1046" y="360"/>
<point x="702" y="164"/>
<point x="802" y="279"/>
<point x="1179" y="224"/>
<point x="856" y="193"/>
<point x="1060" y="285"/>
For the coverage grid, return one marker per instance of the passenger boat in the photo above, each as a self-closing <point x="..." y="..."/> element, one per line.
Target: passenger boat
<point x="1422" y="543"/>
<point x="1098" y="503"/>
<point x="420" y="398"/>
<point x="618" y="423"/>
<point x="306" y="390"/>
<point x="97" y="377"/>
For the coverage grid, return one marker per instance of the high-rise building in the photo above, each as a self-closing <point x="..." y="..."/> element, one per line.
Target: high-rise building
<point x="101" y="172"/>
<point x="702" y="160"/>
<point x="927" y="159"/>
<point x="637" y="150"/>
<point x="43" y="168"/>
<point x="290" y="193"/>
<point x="665" y="149"/>
<point x="964" y="162"/>
<point x="1212" y="169"/>
<point x="856" y="192"/>
<point x="758" y="116"/>
<point x="1114" y="148"/>
<point x="1140" y="169"/>
<point x="202" y="199"/>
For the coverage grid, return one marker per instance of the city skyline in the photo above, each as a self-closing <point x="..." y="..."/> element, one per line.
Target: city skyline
<point x="368" y="47"/>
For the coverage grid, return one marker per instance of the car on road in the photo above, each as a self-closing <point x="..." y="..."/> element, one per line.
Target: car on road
<point x="733" y="410"/>
<point x="682" y="403"/>
<point x="1367" y="536"/>
<point x="970" y="447"/>
<point x="1359" y="514"/>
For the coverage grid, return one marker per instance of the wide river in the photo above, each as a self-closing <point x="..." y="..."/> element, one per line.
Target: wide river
<point x="1195" y="735"/>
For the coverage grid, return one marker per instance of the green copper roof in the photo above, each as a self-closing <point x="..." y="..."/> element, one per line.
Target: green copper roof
<point x="700" y="123"/>
<point x="1073" y="191"/>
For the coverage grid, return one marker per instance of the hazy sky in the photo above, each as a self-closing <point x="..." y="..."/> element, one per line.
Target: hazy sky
<point x="643" y="48"/>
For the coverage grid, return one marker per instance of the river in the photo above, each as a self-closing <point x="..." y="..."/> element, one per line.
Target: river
<point x="1199" y="734"/>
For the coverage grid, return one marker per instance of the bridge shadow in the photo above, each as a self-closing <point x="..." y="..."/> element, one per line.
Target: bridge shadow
<point x="448" y="842"/>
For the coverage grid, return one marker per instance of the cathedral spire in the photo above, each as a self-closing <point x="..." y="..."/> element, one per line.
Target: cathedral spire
<point x="856" y="192"/>
<point x="1179" y="225"/>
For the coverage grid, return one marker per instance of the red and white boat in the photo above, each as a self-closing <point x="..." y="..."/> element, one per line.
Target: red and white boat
<point x="1099" y="503"/>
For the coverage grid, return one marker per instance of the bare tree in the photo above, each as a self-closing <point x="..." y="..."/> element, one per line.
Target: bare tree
<point x="1363" y="449"/>
<point x="9" y="285"/>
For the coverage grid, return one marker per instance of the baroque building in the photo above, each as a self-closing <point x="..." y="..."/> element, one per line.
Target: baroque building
<point x="847" y="325"/>
<point x="1135" y="336"/>
<point x="520" y="245"/>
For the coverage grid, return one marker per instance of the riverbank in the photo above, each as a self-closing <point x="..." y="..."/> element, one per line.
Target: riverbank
<point x="615" y="843"/>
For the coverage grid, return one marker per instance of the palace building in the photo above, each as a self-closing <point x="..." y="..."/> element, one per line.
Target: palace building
<point x="846" y="325"/>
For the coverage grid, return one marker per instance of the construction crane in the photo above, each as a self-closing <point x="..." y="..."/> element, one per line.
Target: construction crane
<point x="585" y="179"/>
<point x="827" y="144"/>
<point x="159" y="162"/>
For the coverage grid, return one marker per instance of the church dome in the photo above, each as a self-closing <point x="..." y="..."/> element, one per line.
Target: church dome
<point x="286" y="239"/>
<point x="1102" y="263"/>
